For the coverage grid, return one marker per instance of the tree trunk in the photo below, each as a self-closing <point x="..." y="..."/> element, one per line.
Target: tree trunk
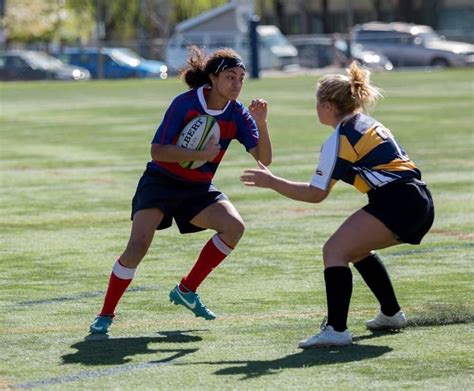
<point x="280" y="12"/>
<point x="404" y="11"/>
<point x="377" y="4"/>
<point x="325" y="16"/>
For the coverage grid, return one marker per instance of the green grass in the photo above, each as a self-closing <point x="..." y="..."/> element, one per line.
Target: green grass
<point x="71" y="155"/>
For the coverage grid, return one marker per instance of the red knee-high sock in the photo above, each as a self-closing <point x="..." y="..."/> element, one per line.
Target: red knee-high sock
<point x="212" y="254"/>
<point x="120" y="279"/>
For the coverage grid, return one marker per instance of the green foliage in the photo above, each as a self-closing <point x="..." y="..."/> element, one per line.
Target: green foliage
<point x="30" y="21"/>
<point x="46" y="20"/>
<point x="183" y="9"/>
<point x="70" y="159"/>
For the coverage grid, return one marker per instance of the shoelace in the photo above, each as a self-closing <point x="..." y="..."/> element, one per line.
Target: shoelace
<point x="323" y="325"/>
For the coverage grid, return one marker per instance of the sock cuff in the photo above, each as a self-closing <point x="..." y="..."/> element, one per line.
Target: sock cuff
<point x="337" y="269"/>
<point x="367" y="261"/>
<point x="122" y="272"/>
<point x="223" y="247"/>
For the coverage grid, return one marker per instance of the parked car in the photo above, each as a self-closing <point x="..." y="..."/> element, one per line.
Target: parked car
<point x="275" y="51"/>
<point x="118" y="63"/>
<point x="35" y="65"/>
<point x="412" y="45"/>
<point x="322" y="51"/>
<point x="368" y="58"/>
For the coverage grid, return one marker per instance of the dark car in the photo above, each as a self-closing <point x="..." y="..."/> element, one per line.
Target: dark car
<point x="35" y="65"/>
<point x="407" y="44"/>
<point x="118" y="63"/>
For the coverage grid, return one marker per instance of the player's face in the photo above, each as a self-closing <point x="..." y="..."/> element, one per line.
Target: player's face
<point x="229" y="83"/>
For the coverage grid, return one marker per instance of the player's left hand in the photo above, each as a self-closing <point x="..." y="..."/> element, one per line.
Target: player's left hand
<point x="258" y="109"/>
<point x="259" y="177"/>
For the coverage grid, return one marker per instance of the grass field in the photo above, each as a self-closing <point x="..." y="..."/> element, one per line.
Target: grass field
<point x="71" y="155"/>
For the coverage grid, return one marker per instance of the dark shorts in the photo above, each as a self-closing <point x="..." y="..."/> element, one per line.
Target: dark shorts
<point x="178" y="200"/>
<point x="406" y="208"/>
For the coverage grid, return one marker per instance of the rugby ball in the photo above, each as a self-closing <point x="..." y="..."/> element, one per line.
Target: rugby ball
<point x="196" y="134"/>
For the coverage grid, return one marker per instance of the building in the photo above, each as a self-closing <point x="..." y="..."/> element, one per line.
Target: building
<point x="452" y="17"/>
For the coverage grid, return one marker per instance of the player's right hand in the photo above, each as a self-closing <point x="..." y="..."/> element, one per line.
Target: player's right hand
<point x="212" y="149"/>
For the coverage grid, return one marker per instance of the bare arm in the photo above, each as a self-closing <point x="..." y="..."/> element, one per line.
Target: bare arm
<point x="263" y="151"/>
<point x="299" y="191"/>
<point x="173" y="153"/>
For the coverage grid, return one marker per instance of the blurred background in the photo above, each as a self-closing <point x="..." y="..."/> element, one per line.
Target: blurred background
<point x="86" y="39"/>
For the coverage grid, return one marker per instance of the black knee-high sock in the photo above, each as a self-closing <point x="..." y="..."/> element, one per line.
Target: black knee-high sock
<point x="338" y="294"/>
<point x="377" y="279"/>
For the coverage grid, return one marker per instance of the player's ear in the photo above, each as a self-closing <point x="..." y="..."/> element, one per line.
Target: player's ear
<point x="213" y="78"/>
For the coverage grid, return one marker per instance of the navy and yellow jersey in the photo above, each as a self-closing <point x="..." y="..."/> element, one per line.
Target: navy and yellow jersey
<point x="362" y="153"/>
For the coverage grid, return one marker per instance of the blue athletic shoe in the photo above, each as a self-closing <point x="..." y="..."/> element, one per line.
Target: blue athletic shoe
<point x="101" y="325"/>
<point x="192" y="302"/>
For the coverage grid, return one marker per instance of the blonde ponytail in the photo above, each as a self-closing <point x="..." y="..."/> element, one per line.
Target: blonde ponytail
<point x="349" y="93"/>
<point x="364" y="94"/>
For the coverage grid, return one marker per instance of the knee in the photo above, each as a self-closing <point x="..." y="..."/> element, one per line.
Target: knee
<point x="233" y="231"/>
<point x="334" y="254"/>
<point x="138" y="247"/>
<point x="330" y="249"/>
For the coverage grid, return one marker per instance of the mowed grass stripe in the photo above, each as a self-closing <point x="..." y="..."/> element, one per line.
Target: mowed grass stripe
<point x="69" y="171"/>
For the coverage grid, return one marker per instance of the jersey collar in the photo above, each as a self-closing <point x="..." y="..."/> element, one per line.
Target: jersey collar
<point x="202" y="101"/>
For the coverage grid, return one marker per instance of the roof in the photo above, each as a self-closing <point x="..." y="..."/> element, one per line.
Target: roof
<point x="204" y="17"/>
<point x="233" y="16"/>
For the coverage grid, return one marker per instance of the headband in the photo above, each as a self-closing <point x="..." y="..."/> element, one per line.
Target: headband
<point x="228" y="62"/>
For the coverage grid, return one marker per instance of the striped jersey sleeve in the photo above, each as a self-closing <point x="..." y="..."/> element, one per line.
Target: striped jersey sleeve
<point x="364" y="154"/>
<point x="235" y="122"/>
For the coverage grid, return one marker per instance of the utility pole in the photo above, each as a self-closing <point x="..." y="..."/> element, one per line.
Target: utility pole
<point x="3" y="37"/>
<point x="350" y="14"/>
<point x="253" y="38"/>
<point x="99" y="26"/>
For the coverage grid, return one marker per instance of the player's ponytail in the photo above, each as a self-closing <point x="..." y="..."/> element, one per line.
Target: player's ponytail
<point x="349" y="93"/>
<point x="194" y="74"/>
<point x="364" y="94"/>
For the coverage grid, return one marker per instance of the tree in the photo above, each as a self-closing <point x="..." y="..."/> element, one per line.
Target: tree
<point x="46" y="20"/>
<point x="404" y="11"/>
<point x="31" y="21"/>
<point x="325" y="16"/>
<point x="377" y="4"/>
<point x="280" y="12"/>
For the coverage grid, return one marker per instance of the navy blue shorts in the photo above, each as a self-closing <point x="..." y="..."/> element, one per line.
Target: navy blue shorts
<point x="178" y="200"/>
<point x="406" y="208"/>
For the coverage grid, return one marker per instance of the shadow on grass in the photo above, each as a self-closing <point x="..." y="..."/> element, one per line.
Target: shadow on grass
<point x="304" y="359"/>
<point x="376" y="334"/>
<point x="102" y="350"/>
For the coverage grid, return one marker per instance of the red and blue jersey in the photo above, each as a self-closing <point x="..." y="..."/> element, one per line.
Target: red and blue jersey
<point x="234" y="120"/>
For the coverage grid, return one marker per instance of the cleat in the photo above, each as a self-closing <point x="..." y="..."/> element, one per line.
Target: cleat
<point x="192" y="302"/>
<point x="327" y="337"/>
<point x="101" y="325"/>
<point x="384" y="322"/>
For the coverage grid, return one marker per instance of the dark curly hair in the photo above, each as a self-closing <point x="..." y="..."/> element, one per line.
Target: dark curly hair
<point x="199" y="66"/>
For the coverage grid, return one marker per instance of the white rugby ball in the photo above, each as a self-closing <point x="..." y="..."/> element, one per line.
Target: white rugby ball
<point x="196" y="134"/>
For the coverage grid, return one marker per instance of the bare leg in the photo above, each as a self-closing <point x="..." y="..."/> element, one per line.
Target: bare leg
<point x="223" y="218"/>
<point x="360" y="234"/>
<point x="143" y="230"/>
<point x="355" y="239"/>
